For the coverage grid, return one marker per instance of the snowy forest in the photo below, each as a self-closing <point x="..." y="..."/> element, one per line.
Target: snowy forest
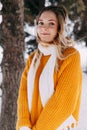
<point x="18" y="40"/>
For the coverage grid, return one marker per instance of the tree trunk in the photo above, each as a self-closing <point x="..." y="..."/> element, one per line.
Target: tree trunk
<point x="13" y="60"/>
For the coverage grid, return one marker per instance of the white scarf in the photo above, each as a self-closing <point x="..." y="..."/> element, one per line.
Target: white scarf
<point x="46" y="80"/>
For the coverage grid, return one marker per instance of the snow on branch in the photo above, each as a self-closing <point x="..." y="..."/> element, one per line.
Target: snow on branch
<point x="0" y="12"/>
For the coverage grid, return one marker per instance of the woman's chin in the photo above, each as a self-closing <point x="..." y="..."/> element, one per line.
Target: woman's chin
<point x="46" y="41"/>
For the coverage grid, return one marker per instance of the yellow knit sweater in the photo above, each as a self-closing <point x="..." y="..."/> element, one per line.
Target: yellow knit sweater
<point x="64" y="102"/>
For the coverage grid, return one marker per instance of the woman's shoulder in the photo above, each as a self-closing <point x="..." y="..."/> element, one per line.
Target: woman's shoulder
<point x="70" y="54"/>
<point x="70" y="51"/>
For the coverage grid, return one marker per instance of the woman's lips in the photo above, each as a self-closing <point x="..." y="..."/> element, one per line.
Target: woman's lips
<point x="45" y="34"/>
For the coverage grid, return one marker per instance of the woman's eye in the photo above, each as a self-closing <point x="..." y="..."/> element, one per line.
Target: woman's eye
<point x="52" y="23"/>
<point x="40" y="23"/>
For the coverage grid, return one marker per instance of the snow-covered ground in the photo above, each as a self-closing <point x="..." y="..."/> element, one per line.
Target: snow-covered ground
<point x="83" y="111"/>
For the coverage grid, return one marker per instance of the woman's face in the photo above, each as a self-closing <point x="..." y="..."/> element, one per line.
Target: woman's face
<point x="47" y="26"/>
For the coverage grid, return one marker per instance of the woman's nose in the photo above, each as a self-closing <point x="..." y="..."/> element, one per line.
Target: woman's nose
<point x="45" y="26"/>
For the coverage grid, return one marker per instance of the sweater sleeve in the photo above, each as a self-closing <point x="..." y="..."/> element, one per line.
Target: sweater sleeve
<point x="22" y="102"/>
<point x="63" y="101"/>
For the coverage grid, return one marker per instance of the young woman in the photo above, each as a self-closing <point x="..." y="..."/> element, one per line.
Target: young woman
<point x="51" y="83"/>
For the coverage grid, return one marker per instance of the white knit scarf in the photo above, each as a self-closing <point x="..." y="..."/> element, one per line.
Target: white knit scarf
<point x="46" y="80"/>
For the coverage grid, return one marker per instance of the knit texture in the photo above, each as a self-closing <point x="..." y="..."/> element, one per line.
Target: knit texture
<point x="64" y="102"/>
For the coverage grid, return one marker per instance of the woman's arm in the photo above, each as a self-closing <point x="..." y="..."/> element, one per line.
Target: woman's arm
<point x="62" y="103"/>
<point x="22" y="103"/>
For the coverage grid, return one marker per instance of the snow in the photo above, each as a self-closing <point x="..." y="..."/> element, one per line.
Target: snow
<point x="0" y="18"/>
<point x="0" y="14"/>
<point x="69" y="27"/>
<point x="83" y="53"/>
<point x="1" y="54"/>
<point x="30" y="29"/>
<point x="47" y="3"/>
<point x="1" y="6"/>
<point x="83" y="111"/>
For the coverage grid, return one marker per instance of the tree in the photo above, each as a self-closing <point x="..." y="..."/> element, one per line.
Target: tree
<point x="12" y="41"/>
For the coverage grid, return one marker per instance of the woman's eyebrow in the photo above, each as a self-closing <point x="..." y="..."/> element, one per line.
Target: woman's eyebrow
<point x="48" y="20"/>
<point x="52" y="20"/>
